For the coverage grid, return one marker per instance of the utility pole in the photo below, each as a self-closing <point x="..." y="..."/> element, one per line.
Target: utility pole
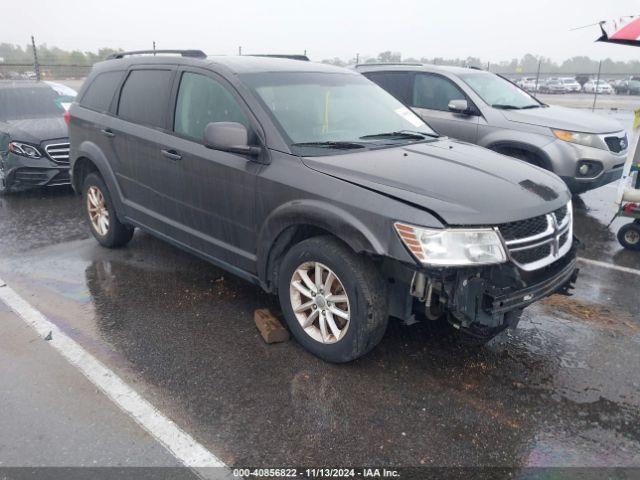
<point x="154" y="47"/>
<point x="36" y="64"/>
<point x="595" y="89"/>
<point x="240" y="50"/>
<point x="535" y="91"/>
<point x="357" y="58"/>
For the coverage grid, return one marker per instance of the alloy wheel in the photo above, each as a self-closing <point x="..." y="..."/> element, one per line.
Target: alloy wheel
<point x="632" y="237"/>
<point x="98" y="212"/>
<point x="319" y="302"/>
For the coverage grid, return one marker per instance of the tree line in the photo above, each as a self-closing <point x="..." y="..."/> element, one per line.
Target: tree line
<point x="16" y="54"/>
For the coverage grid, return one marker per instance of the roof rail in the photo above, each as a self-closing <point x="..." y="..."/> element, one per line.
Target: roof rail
<point x="294" y="56"/>
<point x="389" y="64"/>
<point x="184" y="53"/>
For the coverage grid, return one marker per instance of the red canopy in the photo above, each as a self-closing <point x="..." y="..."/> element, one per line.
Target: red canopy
<point x="625" y="31"/>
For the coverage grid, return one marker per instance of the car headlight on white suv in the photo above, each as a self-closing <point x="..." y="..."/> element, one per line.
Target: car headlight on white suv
<point x="587" y="139"/>
<point x="454" y="246"/>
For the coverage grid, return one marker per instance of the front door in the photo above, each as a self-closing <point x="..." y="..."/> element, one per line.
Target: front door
<point x="431" y="96"/>
<point x="215" y="191"/>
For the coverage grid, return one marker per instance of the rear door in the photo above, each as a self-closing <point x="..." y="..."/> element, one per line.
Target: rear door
<point x="430" y="99"/>
<point x="140" y="135"/>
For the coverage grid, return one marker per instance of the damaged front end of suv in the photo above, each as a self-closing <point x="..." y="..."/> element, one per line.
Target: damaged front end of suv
<point x="480" y="279"/>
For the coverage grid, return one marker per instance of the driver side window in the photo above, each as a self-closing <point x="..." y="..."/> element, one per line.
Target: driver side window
<point x="434" y="92"/>
<point x="202" y="100"/>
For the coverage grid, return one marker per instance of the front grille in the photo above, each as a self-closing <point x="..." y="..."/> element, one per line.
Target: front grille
<point x="539" y="241"/>
<point x="532" y="255"/>
<point x="58" y="152"/>
<point x="524" y="228"/>
<point x="560" y="214"/>
<point x="616" y="144"/>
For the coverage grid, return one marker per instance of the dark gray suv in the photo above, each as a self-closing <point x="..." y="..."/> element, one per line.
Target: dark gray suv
<point x="316" y="184"/>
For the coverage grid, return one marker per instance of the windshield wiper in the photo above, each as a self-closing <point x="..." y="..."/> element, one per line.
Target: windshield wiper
<point x="531" y="106"/>
<point x="505" y="107"/>
<point x="330" y="144"/>
<point x="408" y="134"/>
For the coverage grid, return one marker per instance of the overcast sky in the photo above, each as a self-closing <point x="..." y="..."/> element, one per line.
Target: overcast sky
<point x="490" y="29"/>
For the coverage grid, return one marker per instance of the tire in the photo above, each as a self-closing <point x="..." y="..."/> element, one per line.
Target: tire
<point x="113" y="234"/>
<point x="358" y="280"/>
<point x="629" y="236"/>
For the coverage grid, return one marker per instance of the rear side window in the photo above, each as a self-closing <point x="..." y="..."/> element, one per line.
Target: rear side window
<point x="100" y="92"/>
<point x="202" y="100"/>
<point x="435" y="92"/>
<point x="144" y="97"/>
<point x="398" y="84"/>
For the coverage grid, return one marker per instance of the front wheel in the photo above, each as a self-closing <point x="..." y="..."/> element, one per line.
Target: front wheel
<point x="629" y="236"/>
<point x="334" y="301"/>
<point x="104" y="224"/>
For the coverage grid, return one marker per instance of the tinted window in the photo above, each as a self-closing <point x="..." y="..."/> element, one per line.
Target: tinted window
<point x="29" y="102"/>
<point x="100" y="93"/>
<point x="435" y="92"/>
<point x="397" y="84"/>
<point x="202" y="100"/>
<point x="144" y="97"/>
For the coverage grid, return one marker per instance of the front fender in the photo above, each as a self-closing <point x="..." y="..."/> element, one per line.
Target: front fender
<point x="330" y="218"/>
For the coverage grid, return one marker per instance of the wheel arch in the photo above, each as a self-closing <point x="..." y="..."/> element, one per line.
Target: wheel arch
<point x="505" y="146"/>
<point x="90" y="158"/>
<point x="299" y="220"/>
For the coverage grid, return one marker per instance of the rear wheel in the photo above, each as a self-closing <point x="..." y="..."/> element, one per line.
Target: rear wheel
<point x="629" y="236"/>
<point x="103" y="221"/>
<point x="334" y="301"/>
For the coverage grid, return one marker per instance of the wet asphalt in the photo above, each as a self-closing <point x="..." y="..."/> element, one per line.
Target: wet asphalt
<point x="562" y="390"/>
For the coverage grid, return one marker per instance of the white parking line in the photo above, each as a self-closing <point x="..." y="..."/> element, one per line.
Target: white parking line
<point x="610" y="266"/>
<point x="181" y="445"/>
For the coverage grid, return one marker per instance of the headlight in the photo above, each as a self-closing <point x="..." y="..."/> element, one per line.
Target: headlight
<point x="24" y="149"/>
<point x="453" y="247"/>
<point x="587" y="139"/>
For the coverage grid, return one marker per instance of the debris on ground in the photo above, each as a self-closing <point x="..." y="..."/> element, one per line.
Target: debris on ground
<point x="270" y="327"/>
<point x="608" y="317"/>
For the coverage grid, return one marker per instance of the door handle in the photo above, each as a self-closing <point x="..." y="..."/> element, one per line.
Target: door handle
<point x="107" y="132"/>
<point x="171" y="154"/>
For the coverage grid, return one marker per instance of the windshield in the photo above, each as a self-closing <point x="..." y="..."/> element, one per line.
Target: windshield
<point x="498" y="92"/>
<point x="30" y="102"/>
<point x="335" y="111"/>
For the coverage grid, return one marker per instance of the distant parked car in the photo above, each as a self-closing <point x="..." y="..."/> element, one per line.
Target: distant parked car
<point x="483" y="108"/>
<point x="602" y="87"/>
<point x="627" y="87"/>
<point x="528" y="84"/>
<point x="34" y="148"/>
<point x="554" y="85"/>
<point x="570" y="85"/>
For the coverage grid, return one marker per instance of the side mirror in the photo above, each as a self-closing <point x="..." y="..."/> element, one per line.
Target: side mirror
<point x="229" y="137"/>
<point x="459" y="106"/>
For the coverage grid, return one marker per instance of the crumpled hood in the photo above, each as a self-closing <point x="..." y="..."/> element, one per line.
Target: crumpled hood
<point x="564" y="119"/>
<point x="35" y="130"/>
<point x="463" y="184"/>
